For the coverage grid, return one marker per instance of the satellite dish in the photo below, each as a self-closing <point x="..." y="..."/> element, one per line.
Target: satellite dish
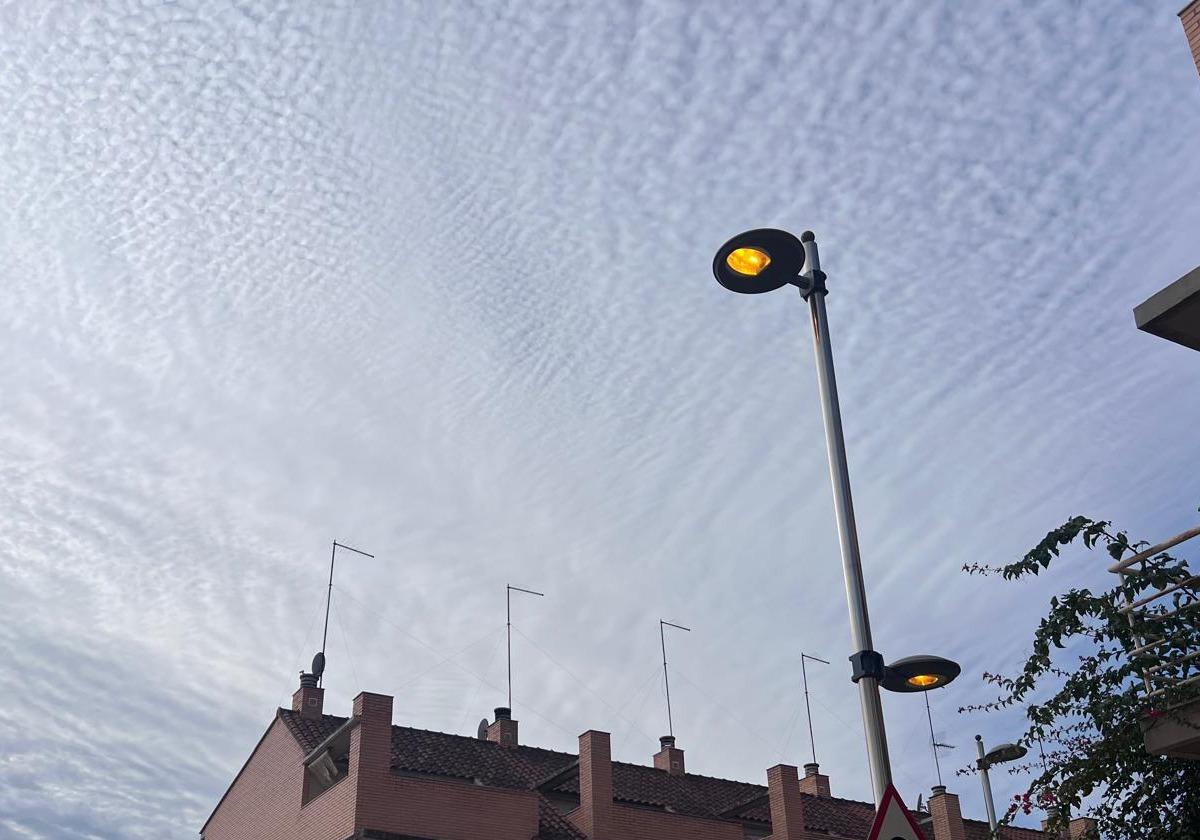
<point x="481" y="733"/>
<point x="318" y="664"/>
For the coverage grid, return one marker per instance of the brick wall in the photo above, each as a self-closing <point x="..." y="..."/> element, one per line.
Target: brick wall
<point x="631" y="823"/>
<point x="264" y="802"/>
<point x="446" y="810"/>
<point x="1190" y="18"/>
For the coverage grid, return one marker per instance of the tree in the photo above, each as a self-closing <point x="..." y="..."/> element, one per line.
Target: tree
<point x="1082" y="691"/>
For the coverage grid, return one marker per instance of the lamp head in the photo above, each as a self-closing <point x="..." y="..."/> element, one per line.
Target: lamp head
<point x="759" y="261"/>
<point x="1005" y="752"/>
<point x="919" y="673"/>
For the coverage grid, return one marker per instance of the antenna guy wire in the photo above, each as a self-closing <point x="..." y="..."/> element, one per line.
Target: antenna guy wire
<point x="508" y="591"/>
<point x="808" y="708"/>
<point x="662" y="636"/>
<point x="329" y="594"/>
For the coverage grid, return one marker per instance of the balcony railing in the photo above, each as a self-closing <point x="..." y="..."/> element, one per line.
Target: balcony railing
<point x="1162" y="606"/>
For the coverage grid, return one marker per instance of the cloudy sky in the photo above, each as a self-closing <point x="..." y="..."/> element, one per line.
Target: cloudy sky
<point x="434" y="280"/>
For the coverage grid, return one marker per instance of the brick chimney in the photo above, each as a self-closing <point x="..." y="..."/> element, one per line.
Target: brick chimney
<point x="309" y="700"/>
<point x="669" y="758"/>
<point x="814" y="783"/>
<point x="947" y="815"/>
<point x="371" y="758"/>
<point x="594" y="816"/>
<point x="371" y="740"/>
<point x="503" y="730"/>
<point x="1083" y="828"/>
<point x="1053" y="814"/>
<point x="787" y="806"/>
<point x="1190" y="18"/>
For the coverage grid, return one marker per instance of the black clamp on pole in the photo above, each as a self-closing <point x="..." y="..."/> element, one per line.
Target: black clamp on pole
<point x="812" y="281"/>
<point x="867" y="663"/>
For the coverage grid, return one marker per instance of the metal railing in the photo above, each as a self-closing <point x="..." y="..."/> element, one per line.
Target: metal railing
<point x="1160" y="599"/>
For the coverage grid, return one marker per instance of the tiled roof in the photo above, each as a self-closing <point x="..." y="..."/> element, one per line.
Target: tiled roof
<point x="309" y="732"/>
<point x="979" y="831"/>
<point x="550" y="772"/>
<point x="422" y="751"/>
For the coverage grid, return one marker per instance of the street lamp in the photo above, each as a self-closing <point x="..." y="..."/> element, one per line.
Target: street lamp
<point x="997" y="755"/>
<point x="919" y="673"/>
<point x="760" y="261"/>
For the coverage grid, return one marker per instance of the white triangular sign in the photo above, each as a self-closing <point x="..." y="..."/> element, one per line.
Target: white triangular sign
<point x="892" y="820"/>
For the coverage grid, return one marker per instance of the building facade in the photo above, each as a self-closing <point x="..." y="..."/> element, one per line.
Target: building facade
<point x="1189" y="16"/>
<point x="314" y="776"/>
<point x="1173" y="313"/>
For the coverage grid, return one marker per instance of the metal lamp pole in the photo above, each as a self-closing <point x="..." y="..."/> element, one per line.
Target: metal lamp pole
<point x="983" y="764"/>
<point x="763" y="260"/>
<point x="868" y="664"/>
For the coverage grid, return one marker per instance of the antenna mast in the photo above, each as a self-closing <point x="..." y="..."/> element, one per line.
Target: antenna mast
<point x="329" y="597"/>
<point x="933" y="742"/>
<point x="662" y="636"/>
<point x="807" y="708"/>
<point x="508" y="591"/>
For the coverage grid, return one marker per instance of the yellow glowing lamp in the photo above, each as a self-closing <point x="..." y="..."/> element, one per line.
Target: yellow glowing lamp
<point x="748" y="261"/>
<point x="758" y="261"/>
<point x="923" y="680"/>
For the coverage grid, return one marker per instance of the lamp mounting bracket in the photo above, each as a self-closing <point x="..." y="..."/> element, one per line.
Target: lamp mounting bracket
<point x="810" y="282"/>
<point x="867" y="663"/>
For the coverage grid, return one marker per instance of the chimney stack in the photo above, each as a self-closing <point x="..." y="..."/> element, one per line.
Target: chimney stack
<point x="1051" y="815"/>
<point x="947" y="815"/>
<point x="815" y="783"/>
<point x="371" y="740"/>
<point x="503" y="730"/>
<point x="594" y="816"/>
<point x="309" y="699"/>
<point x="787" y="805"/>
<point x="1078" y="828"/>
<point x="669" y="758"/>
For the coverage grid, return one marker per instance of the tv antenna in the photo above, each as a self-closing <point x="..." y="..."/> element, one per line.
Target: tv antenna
<point x="807" y="708"/>
<point x="933" y="741"/>
<point x="329" y="599"/>
<point x="508" y="591"/>
<point x="662" y="636"/>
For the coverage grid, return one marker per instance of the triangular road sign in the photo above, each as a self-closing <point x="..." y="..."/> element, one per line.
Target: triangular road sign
<point x="892" y="820"/>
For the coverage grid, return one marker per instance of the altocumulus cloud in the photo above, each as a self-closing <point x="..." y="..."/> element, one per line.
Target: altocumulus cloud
<point x="433" y="279"/>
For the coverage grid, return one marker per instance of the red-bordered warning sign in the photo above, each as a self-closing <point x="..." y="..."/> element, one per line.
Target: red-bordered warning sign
<point x="893" y="821"/>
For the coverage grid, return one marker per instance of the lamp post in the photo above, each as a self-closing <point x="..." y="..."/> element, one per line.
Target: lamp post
<point x="997" y="755"/>
<point x="760" y="261"/>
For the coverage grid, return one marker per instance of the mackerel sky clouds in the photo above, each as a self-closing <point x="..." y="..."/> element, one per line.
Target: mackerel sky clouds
<point x="434" y="280"/>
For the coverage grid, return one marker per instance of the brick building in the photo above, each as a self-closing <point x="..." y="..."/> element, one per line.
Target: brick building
<point x="315" y="776"/>
<point x="1189" y="16"/>
<point x="1173" y="313"/>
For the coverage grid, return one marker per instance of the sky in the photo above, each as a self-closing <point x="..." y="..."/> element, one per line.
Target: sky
<point x="434" y="280"/>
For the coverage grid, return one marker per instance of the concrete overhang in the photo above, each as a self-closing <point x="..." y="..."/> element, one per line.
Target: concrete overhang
<point x="1174" y="312"/>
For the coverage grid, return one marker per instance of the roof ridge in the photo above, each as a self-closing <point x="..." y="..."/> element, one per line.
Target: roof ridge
<point x="692" y="775"/>
<point x="837" y="799"/>
<point x="472" y="738"/>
